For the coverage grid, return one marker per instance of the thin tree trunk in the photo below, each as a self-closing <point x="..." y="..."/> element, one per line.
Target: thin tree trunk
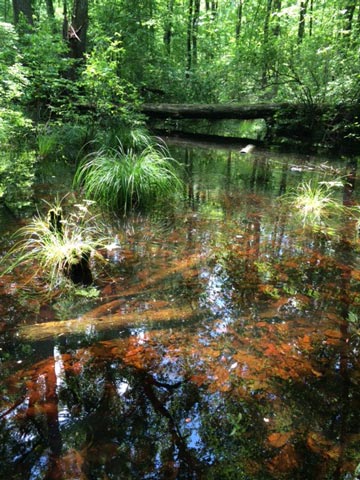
<point x="195" y="26"/>
<point x="6" y="10"/>
<point x="189" y="39"/>
<point x="169" y="26"/>
<point x="214" y="7"/>
<point x="65" y="20"/>
<point x="276" y="30"/>
<point x="239" y="20"/>
<point x="301" y="28"/>
<point x="264" y="80"/>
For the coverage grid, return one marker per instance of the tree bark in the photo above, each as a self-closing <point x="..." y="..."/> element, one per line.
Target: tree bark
<point x="265" y="68"/>
<point x="25" y="8"/>
<point x="168" y="26"/>
<point x="212" y="112"/>
<point x="301" y="27"/>
<point x="6" y="10"/>
<point x="188" y="39"/>
<point x="214" y="8"/>
<point x="50" y="8"/>
<point x="277" y="10"/>
<point x="195" y="25"/>
<point x="77" y="29"/>
<point x="348" y="17"/>
<point x="239" y="20"/>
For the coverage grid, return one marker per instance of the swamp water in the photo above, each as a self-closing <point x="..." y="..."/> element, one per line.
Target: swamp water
<point x="224" y="343"/>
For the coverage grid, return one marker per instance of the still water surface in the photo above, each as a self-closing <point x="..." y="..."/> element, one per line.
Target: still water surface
<point x="224" y="342"/>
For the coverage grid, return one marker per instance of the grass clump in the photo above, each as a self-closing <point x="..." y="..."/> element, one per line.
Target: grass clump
<point x="57" y="246"/>
<point x="316" y="205"/>
<point x="124" y="178"/>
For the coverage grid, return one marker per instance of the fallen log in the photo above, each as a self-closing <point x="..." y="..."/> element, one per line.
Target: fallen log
<point x="213" y="112"/>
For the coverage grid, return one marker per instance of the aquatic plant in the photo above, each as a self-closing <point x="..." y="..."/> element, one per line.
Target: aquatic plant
<point x="315" y="203"/>
<point x="124" y="178"/>
<point x="59" y="246"/>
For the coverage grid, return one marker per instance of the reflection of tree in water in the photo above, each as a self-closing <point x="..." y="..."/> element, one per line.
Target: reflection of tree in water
<point x="258" y="400"/>
<point x="117" y="417"/>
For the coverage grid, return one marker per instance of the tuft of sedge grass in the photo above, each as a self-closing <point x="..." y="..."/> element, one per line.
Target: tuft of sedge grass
<point x="50" y="253"/>
<point x="315" y="203"/>
<point x="128" y="178"/>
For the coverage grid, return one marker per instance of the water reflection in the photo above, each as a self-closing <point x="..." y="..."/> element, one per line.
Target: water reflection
<point x="224" y="344"/>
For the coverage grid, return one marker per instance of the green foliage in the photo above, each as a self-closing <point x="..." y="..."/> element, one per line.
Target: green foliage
<point x="108" y="94"/>
<point x="14" y="125"/>
<point x="125" y="178"/>
<point x="62" y="140"/>
<point x="45" y="55"/>
<point x="17" y="174"/>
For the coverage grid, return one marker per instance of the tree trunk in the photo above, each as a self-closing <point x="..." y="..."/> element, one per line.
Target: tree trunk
<point x="277" y="10"/>
<point x="50" y="8"/>
<point x="77" y="29"/>
<point x="195" y="25"/>
<point x="239" y="20"/>
<point x="213" y="111"/>
<point x="265" y="68"/>
<point x="65" y="26"/>
<point x="189" y="39"/>
<point x="169" y="26"/>
<point x="301" y="28"/>
<point x="25" y="8"/>
<point x="348" y="17"/>
<point x="214" y="7"/>
<point x="6" y="10"/>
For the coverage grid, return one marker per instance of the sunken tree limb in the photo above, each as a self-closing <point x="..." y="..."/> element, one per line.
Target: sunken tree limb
<point x="92" y="322"/>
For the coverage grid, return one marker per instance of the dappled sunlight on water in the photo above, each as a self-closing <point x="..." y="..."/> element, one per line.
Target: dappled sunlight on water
<point x="224" y="342"/>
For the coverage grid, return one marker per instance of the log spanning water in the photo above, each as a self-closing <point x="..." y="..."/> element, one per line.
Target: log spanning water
<point x="314" y="124"/>
<point x="213" y="112"/>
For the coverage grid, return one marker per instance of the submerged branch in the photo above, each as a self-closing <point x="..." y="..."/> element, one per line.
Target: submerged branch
<point x="82" y="325"/>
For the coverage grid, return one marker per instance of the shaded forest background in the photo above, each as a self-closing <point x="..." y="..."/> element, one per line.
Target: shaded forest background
<point x="93" y="63"/>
